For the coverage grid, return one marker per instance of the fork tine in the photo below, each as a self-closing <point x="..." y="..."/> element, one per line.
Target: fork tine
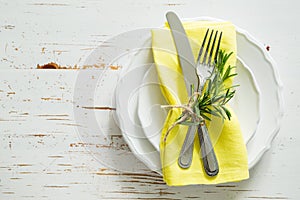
<point x="212" y="49"/>
<point x="207" y="48"/>
<point x="218" y="47"/>
<point x="202" y="46"/>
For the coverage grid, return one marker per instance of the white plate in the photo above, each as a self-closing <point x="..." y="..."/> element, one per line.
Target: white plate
<point x="261" y="65"/>
<point x="152" y="117"/>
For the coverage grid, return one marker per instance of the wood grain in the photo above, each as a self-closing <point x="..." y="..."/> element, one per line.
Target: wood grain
<point x="57" y="143"/>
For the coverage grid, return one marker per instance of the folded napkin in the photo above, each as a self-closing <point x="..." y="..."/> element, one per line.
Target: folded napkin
<point x="226" y="136"/>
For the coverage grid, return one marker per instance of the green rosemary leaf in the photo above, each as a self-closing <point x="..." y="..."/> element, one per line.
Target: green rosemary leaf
<point x="206" y="117"/>
<point x="209" y="85"/>
<point x="227" y="112"/>
<point x="197" y="111"/>
<point x="226" y="74"/>
<point x="231" y="87"/>
<point x="232" y="75"/>
<point x="227" y="93"/>
<point x="218" y="98"/>
<point x="193" y="88"/>
<point x="179" y="118"/>
<point x="190" y="123"/>
<point x="219" y="110"/>
<point x="213" y="112"/>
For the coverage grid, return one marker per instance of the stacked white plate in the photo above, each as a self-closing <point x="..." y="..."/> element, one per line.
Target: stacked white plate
<point x="257" y="103"/>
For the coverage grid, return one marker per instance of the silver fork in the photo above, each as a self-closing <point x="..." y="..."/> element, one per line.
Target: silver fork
<point x="205" y="67"/>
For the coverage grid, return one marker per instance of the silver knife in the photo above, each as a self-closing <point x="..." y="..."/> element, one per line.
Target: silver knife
<point x="188" y="66"/>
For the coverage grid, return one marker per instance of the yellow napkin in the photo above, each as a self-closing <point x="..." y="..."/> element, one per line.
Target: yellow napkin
<point x="226" y="135"/>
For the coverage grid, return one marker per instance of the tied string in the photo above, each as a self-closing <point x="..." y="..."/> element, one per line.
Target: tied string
<point x="188" y="116"/>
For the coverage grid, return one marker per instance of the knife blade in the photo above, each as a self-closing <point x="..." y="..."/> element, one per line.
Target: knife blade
<point x="188" y="66"/>
<point x="184" y="50"/>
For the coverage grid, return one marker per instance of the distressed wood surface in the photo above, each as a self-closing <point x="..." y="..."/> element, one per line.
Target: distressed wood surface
<point x="49" y="151"/>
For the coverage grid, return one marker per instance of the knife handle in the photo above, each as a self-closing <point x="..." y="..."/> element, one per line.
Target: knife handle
<point x="210" y="162"/>
<point x="186" y="152"/>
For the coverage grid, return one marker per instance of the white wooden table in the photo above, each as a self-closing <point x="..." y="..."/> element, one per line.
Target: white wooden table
<point x="42" y="153"/>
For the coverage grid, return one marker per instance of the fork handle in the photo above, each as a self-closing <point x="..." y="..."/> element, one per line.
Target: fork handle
<point x="210" y="162"/>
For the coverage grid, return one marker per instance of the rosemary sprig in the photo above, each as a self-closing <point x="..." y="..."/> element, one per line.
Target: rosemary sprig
<point x="212" y="99"/>
<point x="214" y="95"/>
